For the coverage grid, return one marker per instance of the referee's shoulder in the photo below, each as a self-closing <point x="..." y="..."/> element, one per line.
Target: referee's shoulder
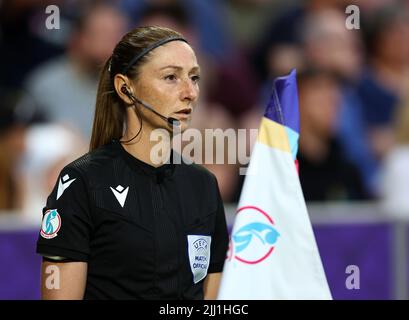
<point x="200" y="171"/>
<point x="93" y="162"/>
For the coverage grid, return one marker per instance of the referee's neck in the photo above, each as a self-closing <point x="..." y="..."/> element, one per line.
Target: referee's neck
<point x="153" y="149"/>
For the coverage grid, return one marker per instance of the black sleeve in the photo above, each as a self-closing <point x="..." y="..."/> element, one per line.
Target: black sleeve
<point x="220" y="239"/>
<point x="66" y="226"/>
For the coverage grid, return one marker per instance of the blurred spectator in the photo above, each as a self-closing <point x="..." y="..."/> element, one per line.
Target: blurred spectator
<point x="325" y="173"/>
<point x="215" y="117"/>
<point x="395" y="173"/>
<point x="368" y="7"/>
<point x="50" y="147"/>
<point x="235" y="87"/>
<point x="21" y="49"/>
<point x="206" y="18"/>
<point x="172" y="15"/>
<point x="329" y="45"/>
<point x="65" y="87"/>
<point x="249" y="18"/>
<point x="354" y="141"/>
<point x="282" y="37"/>
<point x="14" y="119"/>
<point x="313" y="35"/>
<point x="387" y="76"/>
<point x="319" y="39"/>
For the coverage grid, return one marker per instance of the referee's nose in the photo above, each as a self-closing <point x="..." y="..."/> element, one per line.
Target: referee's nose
<point x="189" y="90"/>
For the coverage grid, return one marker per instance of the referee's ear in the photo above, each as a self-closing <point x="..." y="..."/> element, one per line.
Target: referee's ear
<point x="119" y="81"/>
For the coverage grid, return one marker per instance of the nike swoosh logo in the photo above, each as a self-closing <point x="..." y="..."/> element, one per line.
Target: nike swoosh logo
<point x="120" y="194"/>
<point x="63" y="184"/>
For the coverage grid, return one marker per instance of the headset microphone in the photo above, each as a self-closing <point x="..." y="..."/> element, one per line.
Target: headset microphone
<point x="171" y="121"/>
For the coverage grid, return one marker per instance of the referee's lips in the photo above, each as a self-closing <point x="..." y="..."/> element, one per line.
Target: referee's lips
<point x="183" y="113"/>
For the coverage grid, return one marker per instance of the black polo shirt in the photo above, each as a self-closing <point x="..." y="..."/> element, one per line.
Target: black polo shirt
<point x="145" y="232"/>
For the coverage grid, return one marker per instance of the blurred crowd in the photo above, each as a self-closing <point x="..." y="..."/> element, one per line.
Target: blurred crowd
<point x="353" y="87"/>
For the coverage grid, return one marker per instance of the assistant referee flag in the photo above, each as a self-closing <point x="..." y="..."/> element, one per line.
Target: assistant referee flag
<point x="273" y="253"/>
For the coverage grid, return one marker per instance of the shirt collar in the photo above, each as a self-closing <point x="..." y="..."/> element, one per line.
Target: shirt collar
<point x="159" y="173"/>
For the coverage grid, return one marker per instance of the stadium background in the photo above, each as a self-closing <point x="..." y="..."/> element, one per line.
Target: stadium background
<point x="354" y="104"/>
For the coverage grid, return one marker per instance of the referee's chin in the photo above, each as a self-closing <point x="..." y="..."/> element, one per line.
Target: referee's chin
<point x="173" y="130"/>
<point x="184" y="124"/>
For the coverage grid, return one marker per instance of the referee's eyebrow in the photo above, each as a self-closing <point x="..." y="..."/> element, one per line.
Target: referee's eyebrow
<point x="194" y="69"/>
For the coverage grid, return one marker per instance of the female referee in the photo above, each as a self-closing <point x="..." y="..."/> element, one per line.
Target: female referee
<point x="117" y="226"/>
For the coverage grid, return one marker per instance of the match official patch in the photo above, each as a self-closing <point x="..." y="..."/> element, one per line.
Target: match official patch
<point x="199" y="255"/>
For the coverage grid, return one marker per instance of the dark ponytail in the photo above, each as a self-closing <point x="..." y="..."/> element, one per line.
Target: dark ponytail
<point x="110" y="110"/>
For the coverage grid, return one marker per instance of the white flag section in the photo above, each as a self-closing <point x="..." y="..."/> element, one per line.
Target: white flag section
<point x="273" y="253"/>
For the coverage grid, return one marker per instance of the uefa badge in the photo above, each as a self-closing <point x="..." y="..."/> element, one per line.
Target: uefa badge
<point x="51" y="224"/>
<point x="199" y="255"/>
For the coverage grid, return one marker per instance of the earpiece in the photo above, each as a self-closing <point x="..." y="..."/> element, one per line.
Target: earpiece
<point x="125" y="90"/>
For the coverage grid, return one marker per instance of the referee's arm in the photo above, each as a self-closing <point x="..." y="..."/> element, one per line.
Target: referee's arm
<point x="211" y="285"/>
<point x="219" y="246"/>
<point x="63" y="280"/>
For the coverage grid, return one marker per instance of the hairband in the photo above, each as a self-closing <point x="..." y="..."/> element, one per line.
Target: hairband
<point x="148" y="49"/>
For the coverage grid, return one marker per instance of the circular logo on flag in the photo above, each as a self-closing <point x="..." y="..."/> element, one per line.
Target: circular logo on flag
<point x="253" y="237"/>
<point x="51" y="224"/>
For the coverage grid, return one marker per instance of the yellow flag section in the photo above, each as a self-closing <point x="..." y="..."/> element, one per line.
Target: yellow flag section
<point x="274" y="135"/>
<point x="272" y="252"/>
